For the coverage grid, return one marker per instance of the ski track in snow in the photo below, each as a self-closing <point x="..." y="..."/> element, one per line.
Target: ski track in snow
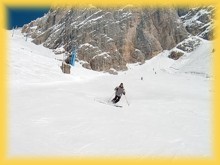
<point x="51" y="113"/>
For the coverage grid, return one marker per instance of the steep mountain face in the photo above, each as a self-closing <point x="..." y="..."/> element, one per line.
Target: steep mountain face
<point x="198" y="21"/>
<point x="108" y="39"/>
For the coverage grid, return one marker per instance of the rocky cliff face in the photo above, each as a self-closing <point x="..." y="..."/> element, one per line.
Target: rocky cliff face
<point x="198" y="21"/>
<point x="109" y="38"/>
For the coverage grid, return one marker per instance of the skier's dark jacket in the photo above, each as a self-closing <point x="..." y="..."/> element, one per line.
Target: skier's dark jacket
<point x="119" y="91"/>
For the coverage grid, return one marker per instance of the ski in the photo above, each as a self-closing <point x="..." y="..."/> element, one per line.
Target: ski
<point x="108" y="103"/>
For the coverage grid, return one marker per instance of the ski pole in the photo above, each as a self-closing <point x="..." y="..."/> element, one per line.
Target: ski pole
<point x="126" y="100"/>
<point x="111" y="97"/>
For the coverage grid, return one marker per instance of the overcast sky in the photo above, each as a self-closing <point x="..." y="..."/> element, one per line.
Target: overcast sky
<point x="17" y="17"/>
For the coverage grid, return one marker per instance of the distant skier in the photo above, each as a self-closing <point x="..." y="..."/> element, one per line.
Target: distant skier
<point x="118" y="93"/>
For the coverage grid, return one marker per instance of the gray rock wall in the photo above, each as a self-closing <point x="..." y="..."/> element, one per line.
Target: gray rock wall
<point x="109" y="38"/>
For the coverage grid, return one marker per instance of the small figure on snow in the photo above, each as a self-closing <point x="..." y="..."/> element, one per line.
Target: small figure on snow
<point x="118" y="93"/>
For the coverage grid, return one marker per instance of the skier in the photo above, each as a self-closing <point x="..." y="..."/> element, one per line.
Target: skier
<point x="118" y="93"/>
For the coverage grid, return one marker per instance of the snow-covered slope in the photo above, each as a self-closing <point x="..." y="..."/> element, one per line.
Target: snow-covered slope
<point x="166" y="114"/>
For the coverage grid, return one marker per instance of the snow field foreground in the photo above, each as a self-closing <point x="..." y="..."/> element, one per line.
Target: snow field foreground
<point x="53" y="114"/>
